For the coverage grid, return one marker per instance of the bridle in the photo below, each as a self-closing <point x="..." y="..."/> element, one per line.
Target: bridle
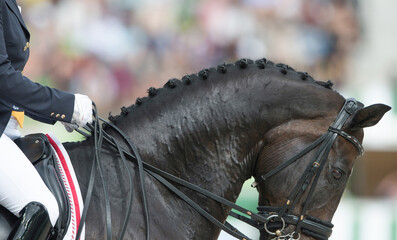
<point x="271" y="219"/>
<point x="284" y="214"/>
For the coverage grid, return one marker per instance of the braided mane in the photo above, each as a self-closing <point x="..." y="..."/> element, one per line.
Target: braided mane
<point x="223" y="69"/>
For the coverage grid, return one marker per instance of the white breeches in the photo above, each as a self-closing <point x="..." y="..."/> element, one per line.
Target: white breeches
<point x="19" y="181"/>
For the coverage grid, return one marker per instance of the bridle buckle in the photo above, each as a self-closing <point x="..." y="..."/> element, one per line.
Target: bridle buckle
<point x="272" y="218"/>
<point x="290" y="236"/>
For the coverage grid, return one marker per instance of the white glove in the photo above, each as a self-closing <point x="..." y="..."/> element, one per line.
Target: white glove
<point x="82" y="113"/>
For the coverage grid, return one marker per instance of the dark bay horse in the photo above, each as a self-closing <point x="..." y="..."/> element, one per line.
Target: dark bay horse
<point x="216" y="129"/>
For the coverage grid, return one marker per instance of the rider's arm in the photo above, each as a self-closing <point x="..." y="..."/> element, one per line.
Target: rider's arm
<point x="39" y="102"/>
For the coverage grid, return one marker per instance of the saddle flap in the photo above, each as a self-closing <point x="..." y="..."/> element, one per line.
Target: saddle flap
<point x="37" y="149"/>
<point x="33" y="146"/>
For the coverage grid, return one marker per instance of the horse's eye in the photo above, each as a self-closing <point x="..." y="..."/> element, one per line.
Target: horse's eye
<point x="337" y="173"/>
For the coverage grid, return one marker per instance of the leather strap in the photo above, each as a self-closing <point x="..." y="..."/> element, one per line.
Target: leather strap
<point x="289" y="162"/>
<point x="349" y="138"/>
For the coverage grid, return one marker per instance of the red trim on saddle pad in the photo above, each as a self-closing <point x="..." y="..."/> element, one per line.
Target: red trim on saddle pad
<point x="72" y="188"/>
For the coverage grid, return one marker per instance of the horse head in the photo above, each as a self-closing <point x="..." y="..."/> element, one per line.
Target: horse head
<point x="307" y="190"/>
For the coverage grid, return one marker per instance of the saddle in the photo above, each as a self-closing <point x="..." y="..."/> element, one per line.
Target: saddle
<point x="38" y="150"/>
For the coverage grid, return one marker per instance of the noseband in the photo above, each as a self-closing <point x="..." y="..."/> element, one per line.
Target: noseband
<point x="278" y="217"/>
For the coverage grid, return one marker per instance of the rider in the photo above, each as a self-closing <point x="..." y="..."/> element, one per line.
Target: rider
<point x="22" y="191"/>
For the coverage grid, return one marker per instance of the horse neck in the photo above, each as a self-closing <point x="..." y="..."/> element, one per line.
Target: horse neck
<point x="209" y="132"/>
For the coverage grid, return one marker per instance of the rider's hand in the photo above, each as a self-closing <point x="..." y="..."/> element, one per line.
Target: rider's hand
<point x="82" y="113"/>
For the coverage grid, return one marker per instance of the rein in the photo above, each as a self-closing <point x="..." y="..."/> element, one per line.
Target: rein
<point x="268" y="218"/>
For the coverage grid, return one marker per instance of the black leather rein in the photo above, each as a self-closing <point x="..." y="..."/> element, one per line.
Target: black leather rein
<point x="268" y="218"/>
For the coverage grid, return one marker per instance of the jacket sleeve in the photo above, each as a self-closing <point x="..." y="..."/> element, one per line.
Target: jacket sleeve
<point x="39" y="102"/>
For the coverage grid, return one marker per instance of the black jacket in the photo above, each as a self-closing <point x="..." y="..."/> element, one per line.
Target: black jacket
<point x="17" y="92"/>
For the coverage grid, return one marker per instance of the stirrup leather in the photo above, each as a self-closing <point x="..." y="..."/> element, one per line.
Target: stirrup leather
<point x="33" y="224"/>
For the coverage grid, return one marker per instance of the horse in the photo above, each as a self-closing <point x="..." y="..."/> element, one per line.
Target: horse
<point x="216" y="129"/>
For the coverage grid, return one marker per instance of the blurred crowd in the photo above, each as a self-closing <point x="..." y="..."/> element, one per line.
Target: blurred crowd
<point x="113" y="50"/>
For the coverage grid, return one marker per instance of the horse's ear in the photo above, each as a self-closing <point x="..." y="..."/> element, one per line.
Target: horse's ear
<point x="369" y="116"/>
